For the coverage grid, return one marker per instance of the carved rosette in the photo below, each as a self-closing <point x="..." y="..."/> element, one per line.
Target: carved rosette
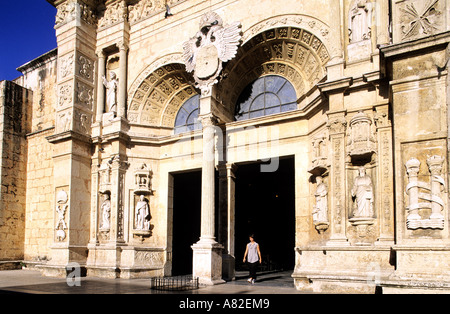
<point x="416" y="18"/>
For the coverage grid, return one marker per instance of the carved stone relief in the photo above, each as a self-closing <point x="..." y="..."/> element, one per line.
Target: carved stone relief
<point x="320" y="209"/>
<point x="70" y="10"/>
<point x="360" y="20"/>
<point x="82" y="122"/>
<point x="319" y="159"/>
<point x="105" y="212"/>
<point x="85" y="95"/>
<point x="147" y="8"/>
<point x="363" y="195"/>
<point x="291" y="52"/>
<point x="64" y="121"/>
<point x="61" y="209"/>
<point x="160" y="95"/>
<point x="113" y="14"/>
<point x="65" y="96"/>
<point x="85" y="68"/>
<point x="425" y="201"/>
<point x="65" y="65"/>
<point x="143" y="189"/>
<point x="414" y="19"/>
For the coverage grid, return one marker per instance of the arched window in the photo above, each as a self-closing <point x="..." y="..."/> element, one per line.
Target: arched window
<point x="187" y="116"/>
<point x="267" y="95"/>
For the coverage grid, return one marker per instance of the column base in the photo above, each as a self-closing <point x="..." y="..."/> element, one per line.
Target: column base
<point x="207" y="262"/>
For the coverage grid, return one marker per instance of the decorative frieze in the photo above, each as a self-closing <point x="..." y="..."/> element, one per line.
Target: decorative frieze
<point x="71" y="10"/>
<point x="113" y="14"/>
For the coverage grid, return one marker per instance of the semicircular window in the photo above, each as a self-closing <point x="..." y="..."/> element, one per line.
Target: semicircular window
<point x="267" y="95"/>
<point x="187" y="116"/>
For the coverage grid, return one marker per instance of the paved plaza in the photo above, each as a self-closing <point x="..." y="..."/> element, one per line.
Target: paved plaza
<point x="32" y="282"/>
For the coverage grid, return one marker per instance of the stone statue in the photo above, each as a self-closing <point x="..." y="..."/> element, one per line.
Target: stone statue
<point x="360" y="21"/>
<point x="362" y="191"/>
<point x="106" y="212"/>
<point x="142" y="213"/>
<point x="320" y="211"/>
<point x="111" y="94"/>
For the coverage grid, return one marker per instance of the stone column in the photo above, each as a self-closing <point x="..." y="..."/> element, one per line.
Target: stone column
<point x="207" y="257"/>
<point x="208" y="171"/>
<point x="435" y="166"/>
<point x="122" y="91"/>
<point x="100" y="88"/>
<point x="412" y="169"/>
<point x="227" y="180"/>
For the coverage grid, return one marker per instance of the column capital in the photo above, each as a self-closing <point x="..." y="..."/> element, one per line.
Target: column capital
<point x="122" y="45"/>
<point x="208" y="120"/>
<point x="100" y="52"/>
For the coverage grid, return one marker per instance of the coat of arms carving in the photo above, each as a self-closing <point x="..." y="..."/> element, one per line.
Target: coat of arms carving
<point x="214" y="44"/>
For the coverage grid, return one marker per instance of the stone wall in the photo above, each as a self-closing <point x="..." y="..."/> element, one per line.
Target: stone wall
<point x="14" y="122"/>
<point x="39" y="75"/>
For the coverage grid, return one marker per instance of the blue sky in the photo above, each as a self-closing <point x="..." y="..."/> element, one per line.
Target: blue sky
<point x="26" y="32"/>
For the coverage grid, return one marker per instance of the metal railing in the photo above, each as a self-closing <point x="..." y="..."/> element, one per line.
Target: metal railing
<point x="177" y="283"/>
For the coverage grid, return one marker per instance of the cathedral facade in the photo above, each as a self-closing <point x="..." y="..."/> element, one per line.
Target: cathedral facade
<point x="159" y="134"/>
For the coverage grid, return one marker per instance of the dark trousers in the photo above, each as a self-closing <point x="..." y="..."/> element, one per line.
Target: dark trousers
<point x="252" y="267"/>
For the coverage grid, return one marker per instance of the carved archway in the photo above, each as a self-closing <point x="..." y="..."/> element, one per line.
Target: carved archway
<point x="291" y="52"/>
<point x="159" y="96"/>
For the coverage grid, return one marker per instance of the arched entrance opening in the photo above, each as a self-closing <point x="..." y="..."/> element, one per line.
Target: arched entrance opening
<point x="265" y="206"/>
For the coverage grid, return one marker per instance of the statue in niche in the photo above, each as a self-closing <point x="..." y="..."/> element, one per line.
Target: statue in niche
<point x="106" y="212"/>
<point x="360" y="21"/>
<point x="142" y="212"/>
<point x="111" y="91"/>
<point x="320" y="211"/>
<point x="362" y="191"/>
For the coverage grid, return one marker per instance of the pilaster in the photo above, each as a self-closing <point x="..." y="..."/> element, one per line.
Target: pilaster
<point x="75" y="30"/>
<point x="336" y="127"/>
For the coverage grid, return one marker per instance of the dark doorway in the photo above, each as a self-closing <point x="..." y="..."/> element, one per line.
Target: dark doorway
<point x="186" y="219"/>
<point x="265" y="206"/>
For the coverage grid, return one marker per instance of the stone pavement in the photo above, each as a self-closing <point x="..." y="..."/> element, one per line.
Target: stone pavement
<point x="32" y="282"/>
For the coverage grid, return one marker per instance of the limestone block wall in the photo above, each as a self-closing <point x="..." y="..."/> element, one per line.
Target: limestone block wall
<point x="14" y="119"/>
<point x="40" y="198"/>
<point x="39" y="75"/>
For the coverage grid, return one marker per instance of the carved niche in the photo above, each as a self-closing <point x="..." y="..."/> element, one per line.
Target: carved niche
<point x="143" y="189"/>
<point x="319" y="159"/>
<point x="361" y="141"/>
